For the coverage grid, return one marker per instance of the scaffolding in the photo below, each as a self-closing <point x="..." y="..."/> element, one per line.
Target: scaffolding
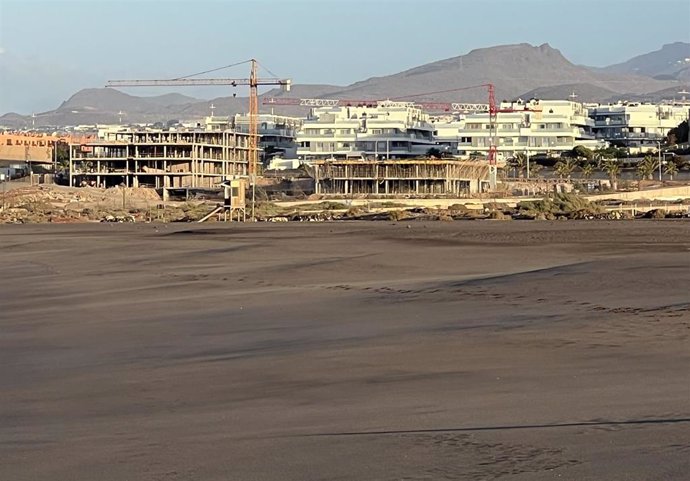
<point x="389" y="178"/>
<point x="160" y="159"/>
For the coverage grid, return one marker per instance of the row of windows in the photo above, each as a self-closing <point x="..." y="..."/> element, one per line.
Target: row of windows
<point x="349" y="131"/>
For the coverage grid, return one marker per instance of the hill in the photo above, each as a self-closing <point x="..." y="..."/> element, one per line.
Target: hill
<point x="672" y="61"/>
<point x="584" y="92"/>
<point x="668" y="94"/>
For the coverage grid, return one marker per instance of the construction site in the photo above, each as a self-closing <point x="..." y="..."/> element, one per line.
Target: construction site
<point x="393" y="178"/>
<point x="394" y="150"/>
<point x="161" y="160"/>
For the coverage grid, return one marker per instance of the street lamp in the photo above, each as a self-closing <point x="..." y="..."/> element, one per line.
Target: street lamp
<point x="527" y="155"/>
<point x="665" y="162"/>
<point x="659" y="152"/>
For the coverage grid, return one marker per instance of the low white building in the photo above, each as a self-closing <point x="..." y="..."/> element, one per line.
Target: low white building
<point x="546" y="127"/>
<point x="637" y="126"/>
<point x="387" y="130"/>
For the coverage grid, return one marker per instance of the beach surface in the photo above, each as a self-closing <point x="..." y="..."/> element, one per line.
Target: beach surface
<point x="482" y="350"/>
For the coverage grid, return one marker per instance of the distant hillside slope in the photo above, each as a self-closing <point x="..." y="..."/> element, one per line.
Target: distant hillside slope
<point x="668" y="94"/>
<point x="672" y="61"/>
<point x="583" y="92"/>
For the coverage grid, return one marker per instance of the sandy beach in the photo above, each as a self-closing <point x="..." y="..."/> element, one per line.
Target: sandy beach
<point x="345" y="351"/>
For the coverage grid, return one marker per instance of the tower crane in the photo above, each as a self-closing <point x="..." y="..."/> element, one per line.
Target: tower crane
<point x="429" y="106"/>
<point x="253" y="82"/>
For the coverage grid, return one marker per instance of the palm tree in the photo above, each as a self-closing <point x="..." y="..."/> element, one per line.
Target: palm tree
<point x="518" y="163"/>
<point x="612" y="167"/>
<point x="671" y="169"/>
<point x="565" y="168"/>
<point x="534" y="169"/>
<point x="646" y="168"/>
<point x="587" y="170"/>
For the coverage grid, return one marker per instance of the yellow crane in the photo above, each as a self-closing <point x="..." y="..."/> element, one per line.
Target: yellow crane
<point x="253" y="82"/>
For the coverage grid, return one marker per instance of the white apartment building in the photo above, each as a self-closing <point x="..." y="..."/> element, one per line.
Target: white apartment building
<point x="637" y="126"/>
<point x="546" y="127"/>
<point x="276" y="132"/>
<point x="389" y="130"/>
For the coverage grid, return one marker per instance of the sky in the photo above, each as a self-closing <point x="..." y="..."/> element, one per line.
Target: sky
<point x="50" y="49"/>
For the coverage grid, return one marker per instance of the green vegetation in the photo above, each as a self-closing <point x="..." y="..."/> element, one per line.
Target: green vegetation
<point x="560" y="205"/>
<point x="582" y="152"/>
<point x="434" y="153"/>
<point x="680" y="134"/>
<point x="325" y="205"/>
<point x="587" y="170"/>
<point x="612" y="167"/>
<point x="266" y="209"/>
<point x="647" y="167"/>
<point x="518" y="163"/>
<point x="564" y="168"/>
<point x="671" y="169"/>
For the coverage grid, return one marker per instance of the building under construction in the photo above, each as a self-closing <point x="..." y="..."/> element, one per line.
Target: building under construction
<point x="423" y="177"/>
<point x="159" y="159"/>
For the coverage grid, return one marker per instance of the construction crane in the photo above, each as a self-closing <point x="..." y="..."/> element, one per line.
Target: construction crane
<point x="429" y="106"/>
<point x="253" y="82"/>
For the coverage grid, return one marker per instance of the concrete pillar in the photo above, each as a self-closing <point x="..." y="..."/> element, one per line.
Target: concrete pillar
<point x="71" y="167"/>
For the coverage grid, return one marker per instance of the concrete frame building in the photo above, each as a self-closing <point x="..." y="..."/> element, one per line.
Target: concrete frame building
<point x="276" y="132"/>
<point x="385" y="130"/>
<point x="637" y="126"/>
<point x="546" y="127"/>
<point x="382" y="178"/>
<point x="159" y="159"/>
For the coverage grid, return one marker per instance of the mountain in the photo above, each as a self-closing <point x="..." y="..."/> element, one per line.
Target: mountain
<point x="513" y="69"/>
<point x="519" y="70"/>
<point x="103" y="105"/>
<point x="670" y="62"/>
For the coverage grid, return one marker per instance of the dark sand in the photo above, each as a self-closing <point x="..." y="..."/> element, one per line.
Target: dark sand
<point x="466" y="350"/>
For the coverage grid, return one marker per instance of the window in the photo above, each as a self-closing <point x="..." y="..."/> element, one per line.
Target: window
<point x="376" y="131"/>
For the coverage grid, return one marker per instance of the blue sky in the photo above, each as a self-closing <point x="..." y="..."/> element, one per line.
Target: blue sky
<point x="51" y="48"/>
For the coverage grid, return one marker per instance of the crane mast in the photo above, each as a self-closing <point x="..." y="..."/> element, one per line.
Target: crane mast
<point x="493" y="117"/>
<point x="253" y="122"/>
